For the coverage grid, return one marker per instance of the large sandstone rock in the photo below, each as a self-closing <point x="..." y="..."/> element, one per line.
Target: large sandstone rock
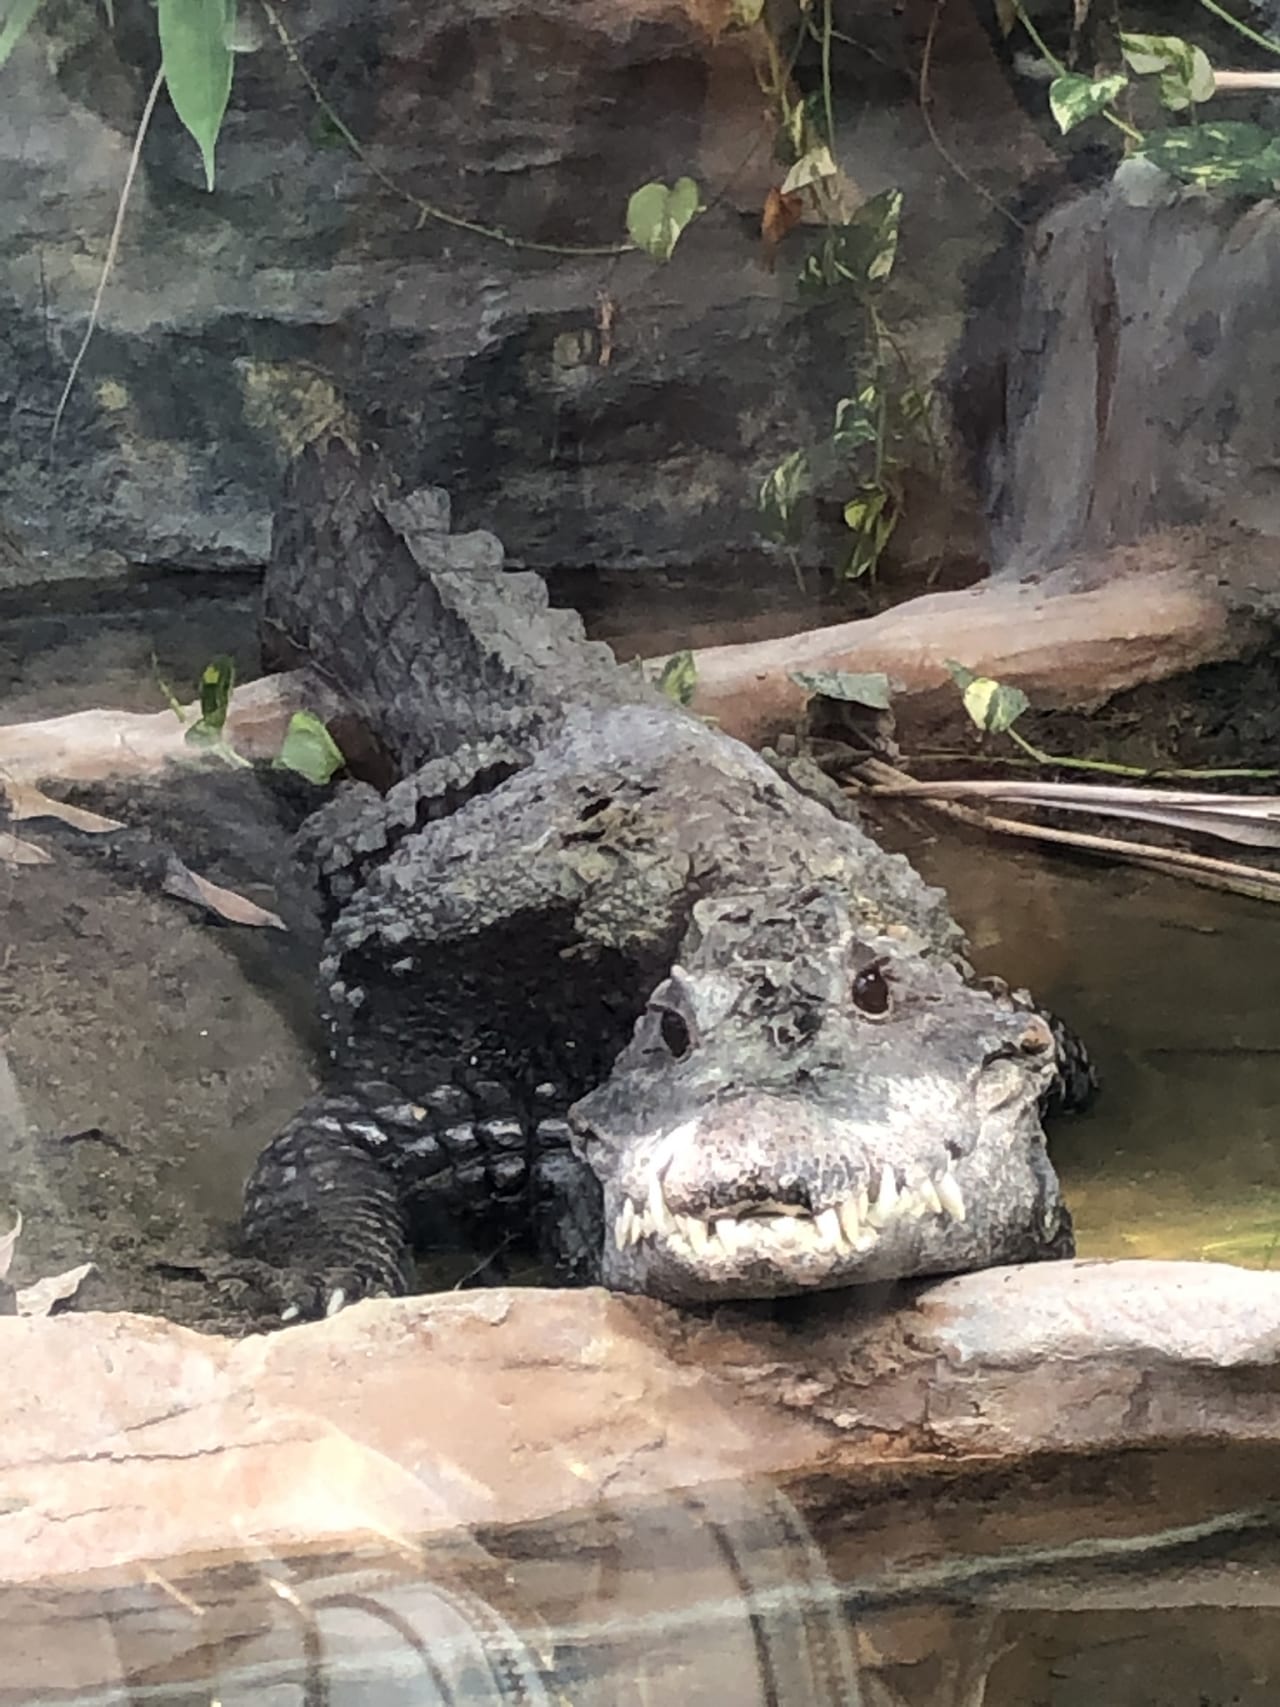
<point x="602" y="1496"/>
<point x="124" y="1438"/>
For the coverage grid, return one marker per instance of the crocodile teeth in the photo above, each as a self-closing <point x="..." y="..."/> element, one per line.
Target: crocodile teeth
<point x="929" y="1196"/>
<point x="623" y="1225"/>
<point x="950" y="1195"/>
<point x="850" y="1224"/>
<point x="688" y="1227"/>
<point x="659" y="1214"/>
<point x="727" y="1233"/>
<point x="698" y="1234"/>
<point x="886" y="1200"/>
<point x="641" y="1227"/>
<point x="828" y="1229"/>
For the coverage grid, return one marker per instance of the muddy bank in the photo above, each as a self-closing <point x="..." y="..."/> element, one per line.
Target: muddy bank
<point x="154" y="1051"/>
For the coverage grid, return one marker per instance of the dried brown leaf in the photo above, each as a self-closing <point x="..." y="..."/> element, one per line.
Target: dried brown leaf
<point x="236" y="909"/>
<point x="780" y="214"/>
<point x="28" y="802"/>
<point x="14" y="851"/>
<point x="39" y="1298"/>
<point x="713" y="16"/>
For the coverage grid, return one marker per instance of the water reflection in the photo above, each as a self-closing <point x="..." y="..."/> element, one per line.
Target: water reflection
<point x="1069" y="1583"/>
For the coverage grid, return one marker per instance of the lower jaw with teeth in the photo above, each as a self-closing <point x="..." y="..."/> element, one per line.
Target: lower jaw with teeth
<point x="849" y="1228"/>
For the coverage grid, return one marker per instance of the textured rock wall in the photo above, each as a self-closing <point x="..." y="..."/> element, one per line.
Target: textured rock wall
<point x="1141" y="375"/>
<point x="595" y="409"/>
<point x="598" y="411"/>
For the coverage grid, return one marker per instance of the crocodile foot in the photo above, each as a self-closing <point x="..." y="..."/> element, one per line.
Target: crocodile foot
<point x="267" y="1294"/>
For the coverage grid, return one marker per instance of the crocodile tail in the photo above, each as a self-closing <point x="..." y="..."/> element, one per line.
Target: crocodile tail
<point x="434" y="644"/>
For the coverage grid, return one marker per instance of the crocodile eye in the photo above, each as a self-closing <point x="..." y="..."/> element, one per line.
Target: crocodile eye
<point x="871" y="990"/>
<point x="675" y="1033"/>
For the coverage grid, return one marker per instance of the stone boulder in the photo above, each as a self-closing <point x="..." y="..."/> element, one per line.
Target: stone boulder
<point x="1136" y="362"/>
<point x="125" y="1438"/>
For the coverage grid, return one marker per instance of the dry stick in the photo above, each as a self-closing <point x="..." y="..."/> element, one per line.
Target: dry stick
<point x="112" y="249"/>
<point x="1200" y="868"/>
<point x="1224" y="80"/>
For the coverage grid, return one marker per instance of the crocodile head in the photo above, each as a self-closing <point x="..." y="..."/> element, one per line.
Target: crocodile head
<point x="804" y="1106"/>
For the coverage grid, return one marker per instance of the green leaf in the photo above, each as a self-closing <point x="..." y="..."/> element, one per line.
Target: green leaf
<point x="1148" y="54"/>
<point x="869" y="687"/>
<point x="960" y="674"/>
<point x="17" y="17"/>
<point x="678" y="677"/>
<point x="657" y="215"/>
<point x="781" y="491"/>
<point x="794" y="126"/>
<point x="862" y="512"/>
<point x="993" y="706"/>
<point x="309" y="749"/>
<point x="217" y="681"/>
<point x="744" y="13"/>
<point x="810" y="168"/>
<point x="197" y="63"/>
<point x="863" y="251"/>
<point x="878" y="221"/>
<point x="855" y="423"/>
<point x="1185" y="74"/>
<point x="1201" y="85"/>
<point x="1231" y="156"/>
<point x="1073" y="98"/>
<point x="871" y="517"/>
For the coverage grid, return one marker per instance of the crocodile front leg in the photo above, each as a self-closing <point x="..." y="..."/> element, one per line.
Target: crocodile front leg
<point x="342" y="1196"/>
<point x="324" y="1214"/>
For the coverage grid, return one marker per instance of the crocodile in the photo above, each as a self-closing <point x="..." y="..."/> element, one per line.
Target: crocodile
<point x="599" y="980"/>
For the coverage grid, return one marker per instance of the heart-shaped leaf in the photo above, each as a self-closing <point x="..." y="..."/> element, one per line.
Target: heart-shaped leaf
<point x="864" y="687"/>
<point x="1073" y="99"/>
<point x="657" y="215"/>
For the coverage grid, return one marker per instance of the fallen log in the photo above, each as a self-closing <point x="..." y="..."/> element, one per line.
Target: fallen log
<point x="1073" y="637"/>
<point x="89" y="746"/>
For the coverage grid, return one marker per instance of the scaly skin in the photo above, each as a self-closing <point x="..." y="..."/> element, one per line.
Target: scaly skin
<point x="597" y="976"/>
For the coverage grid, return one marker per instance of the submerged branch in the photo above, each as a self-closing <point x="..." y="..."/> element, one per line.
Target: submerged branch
<point x="1230" y="875"/>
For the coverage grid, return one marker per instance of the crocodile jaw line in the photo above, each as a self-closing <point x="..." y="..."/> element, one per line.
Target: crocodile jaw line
<point x="846" y="1228"/>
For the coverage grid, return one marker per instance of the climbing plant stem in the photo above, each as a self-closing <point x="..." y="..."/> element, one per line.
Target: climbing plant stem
<point x="1051" y="58"/>
<point x="1243" y="29"/>
<point x="113" y="247"/>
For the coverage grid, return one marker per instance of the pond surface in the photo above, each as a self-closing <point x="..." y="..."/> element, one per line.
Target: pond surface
<point x="1176" y="989"/>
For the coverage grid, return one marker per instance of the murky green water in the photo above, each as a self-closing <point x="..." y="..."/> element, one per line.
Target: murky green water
<point x="1177" y="991"/>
